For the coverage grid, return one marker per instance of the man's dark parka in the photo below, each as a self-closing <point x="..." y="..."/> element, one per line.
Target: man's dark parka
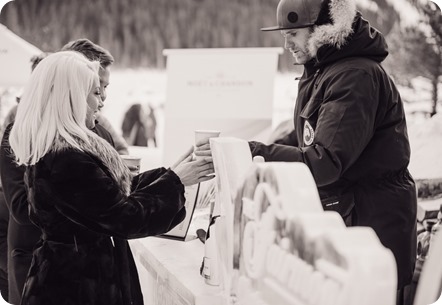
<point x="350" y="130"/>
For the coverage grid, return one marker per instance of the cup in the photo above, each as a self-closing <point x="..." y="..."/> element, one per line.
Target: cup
<point x="205" y="134"/>
<point x="132" y="162"/>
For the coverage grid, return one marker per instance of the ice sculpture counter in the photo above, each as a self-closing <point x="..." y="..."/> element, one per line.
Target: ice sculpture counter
<point x="276" y="245"/>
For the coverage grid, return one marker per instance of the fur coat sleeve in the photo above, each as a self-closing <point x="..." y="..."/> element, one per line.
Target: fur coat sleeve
<point x="78" y="186"/>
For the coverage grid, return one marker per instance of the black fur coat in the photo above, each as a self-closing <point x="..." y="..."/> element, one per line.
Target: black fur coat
<point x="86" y="207"/>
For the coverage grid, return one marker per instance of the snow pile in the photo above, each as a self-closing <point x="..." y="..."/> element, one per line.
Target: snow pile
<point x="426" y="148"/>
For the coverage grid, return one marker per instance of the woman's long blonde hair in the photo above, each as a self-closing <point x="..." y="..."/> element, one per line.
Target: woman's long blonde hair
<point x="53" y="106"/>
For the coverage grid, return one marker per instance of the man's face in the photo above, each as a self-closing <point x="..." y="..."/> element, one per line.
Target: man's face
<point x="296" y="43"/>
<point x="104" y="81"/>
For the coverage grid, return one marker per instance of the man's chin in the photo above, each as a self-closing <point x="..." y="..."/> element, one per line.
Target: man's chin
<point x="301" y="60"/>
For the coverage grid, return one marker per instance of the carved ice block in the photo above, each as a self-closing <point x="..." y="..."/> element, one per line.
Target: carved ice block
<point x="290" y="251"/>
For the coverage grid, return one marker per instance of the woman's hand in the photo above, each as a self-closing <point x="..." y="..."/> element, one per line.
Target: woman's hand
<point x="193" y="171"/>
<point x="202" y="149"/>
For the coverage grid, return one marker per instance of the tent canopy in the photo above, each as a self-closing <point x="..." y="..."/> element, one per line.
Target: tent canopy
<point x="15" y="58"/>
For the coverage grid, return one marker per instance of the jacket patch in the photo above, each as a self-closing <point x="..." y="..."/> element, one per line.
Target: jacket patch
<point x="309" y="133"/>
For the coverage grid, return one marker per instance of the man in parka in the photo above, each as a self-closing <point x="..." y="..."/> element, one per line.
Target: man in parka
<point x="349" y="123"/>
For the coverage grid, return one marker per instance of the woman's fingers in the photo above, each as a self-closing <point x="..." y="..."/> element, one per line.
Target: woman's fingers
<point x="206" y="169"/>
<point x="203" y="150"/>
<point x="205" y="178"/>
<point x="194" y="171"/>
<point x="202" y="147"/>
<point x="205" y="160"/>
<point x="202" y="153"/>
<point x="203" y="142"/>
<point x="206" y="173"/>
<point x="205" y="165"/>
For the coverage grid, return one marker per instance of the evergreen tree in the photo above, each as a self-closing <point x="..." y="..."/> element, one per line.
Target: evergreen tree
<point x="137" y="31"/>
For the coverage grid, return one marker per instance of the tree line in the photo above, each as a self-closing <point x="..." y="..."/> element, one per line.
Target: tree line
<point x="137" y="31"/>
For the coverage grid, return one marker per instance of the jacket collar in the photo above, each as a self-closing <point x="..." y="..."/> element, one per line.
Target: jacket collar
<point x="103" y="151"/>
<point x="342" y="13"/>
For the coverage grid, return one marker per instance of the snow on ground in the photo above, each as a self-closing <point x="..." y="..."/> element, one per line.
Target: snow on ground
<point x="144" y="86"/>
<point x="426" y="147"/>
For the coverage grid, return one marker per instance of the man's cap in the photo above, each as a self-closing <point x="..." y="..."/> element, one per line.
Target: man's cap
<point x="296" y="14"/>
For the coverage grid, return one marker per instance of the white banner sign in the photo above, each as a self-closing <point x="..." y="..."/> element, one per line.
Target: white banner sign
<point x="230" y="90"/>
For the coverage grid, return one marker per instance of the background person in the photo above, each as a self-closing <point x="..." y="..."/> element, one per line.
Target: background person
<point x="134" y="126"/>
<point x="95" y="52"/>
<point x="81" y="193"/>
<point x="6" y="261"/>
<point x="349" y="123"/>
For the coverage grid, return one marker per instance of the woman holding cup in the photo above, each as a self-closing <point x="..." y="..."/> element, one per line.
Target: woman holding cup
<point x="82" y="195"/>
<point x="202" y="142"/>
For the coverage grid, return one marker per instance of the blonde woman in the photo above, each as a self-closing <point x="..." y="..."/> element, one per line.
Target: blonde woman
<point x="81" y="194"/>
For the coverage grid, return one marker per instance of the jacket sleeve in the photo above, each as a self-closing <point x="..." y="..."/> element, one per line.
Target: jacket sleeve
<point x="12" y="182"/>
<point x="345" y="125"/>
<point x="288" y="139"/>
<point x="83" y="192"/>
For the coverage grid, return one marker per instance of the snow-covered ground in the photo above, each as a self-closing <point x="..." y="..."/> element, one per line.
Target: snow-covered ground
<point x="149" y="86"/>
<point x="144" y="86"/>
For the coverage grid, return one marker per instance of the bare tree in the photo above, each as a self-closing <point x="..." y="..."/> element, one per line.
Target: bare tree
<point x="433" y="17"/>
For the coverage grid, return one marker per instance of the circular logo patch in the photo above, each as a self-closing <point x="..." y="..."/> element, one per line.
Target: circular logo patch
<point x="309" y="133"/>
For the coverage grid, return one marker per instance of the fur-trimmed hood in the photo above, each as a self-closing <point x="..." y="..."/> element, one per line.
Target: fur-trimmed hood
<point x="342" y="13"/>
<point x="348" y="35"/>
<point x="102" y="150"/>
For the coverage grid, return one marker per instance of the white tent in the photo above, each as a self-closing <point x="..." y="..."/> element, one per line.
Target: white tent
<point x="15" y="58"/>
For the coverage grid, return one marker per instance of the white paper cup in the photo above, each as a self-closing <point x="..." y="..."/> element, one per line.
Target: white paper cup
<point x="206" y="134"/>
<point x="133" y="162"/>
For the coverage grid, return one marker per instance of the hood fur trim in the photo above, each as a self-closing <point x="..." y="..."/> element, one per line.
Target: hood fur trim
<point x="103" y="151"/>
<point x="342" y="12"/>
